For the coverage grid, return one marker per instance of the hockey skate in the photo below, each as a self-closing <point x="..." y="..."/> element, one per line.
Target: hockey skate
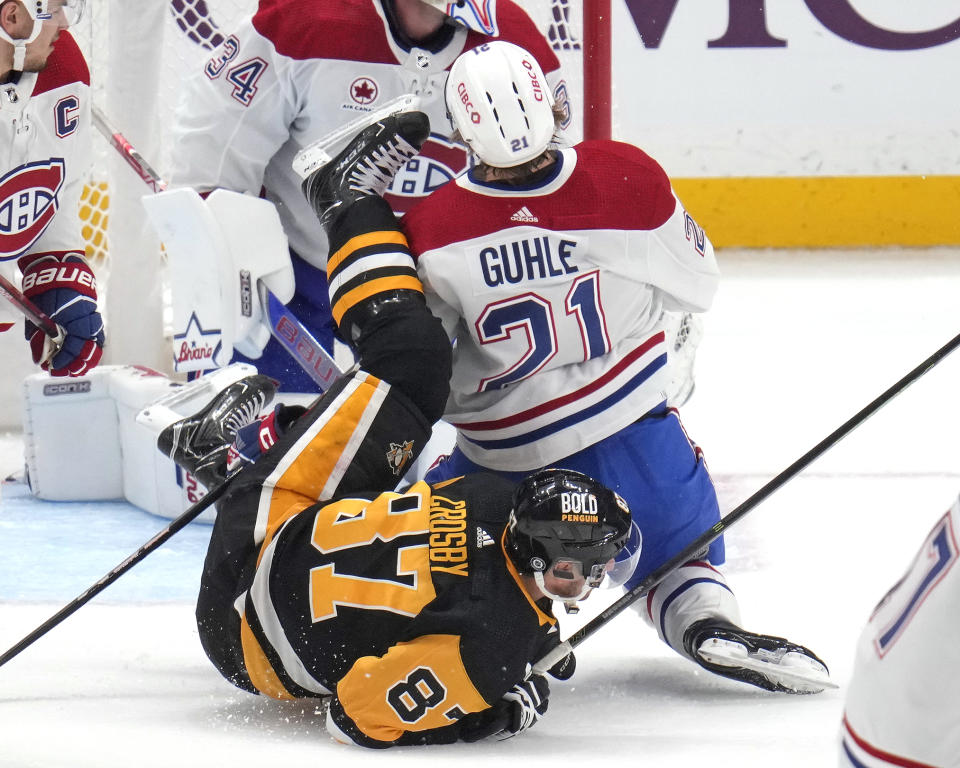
<point x="367" y="165"/>
<point x="771" y="663"/>
<point x="199" y="443"/>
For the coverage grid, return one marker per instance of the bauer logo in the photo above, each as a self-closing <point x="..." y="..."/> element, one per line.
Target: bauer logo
<point x="28" y="203"/>
<point x="66" y="388"/>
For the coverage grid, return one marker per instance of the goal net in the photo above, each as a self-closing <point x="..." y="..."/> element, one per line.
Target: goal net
<point x="138" y="54"/>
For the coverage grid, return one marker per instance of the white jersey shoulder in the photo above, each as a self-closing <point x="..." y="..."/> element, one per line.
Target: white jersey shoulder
<point x="903" y="703"/>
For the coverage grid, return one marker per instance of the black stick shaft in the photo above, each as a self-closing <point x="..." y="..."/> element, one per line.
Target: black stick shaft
<point x="741" y="511"/>
<point x="108" y="579"/>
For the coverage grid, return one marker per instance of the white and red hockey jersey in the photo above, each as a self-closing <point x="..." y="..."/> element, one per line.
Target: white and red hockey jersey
<point x="299" y="70"/>
<point x="44" y="156"/>
<point x="554" y="295"/>
<point x="903" y="702"/>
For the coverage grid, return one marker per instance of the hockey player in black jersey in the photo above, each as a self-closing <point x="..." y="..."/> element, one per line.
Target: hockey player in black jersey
<point x="418" y="612"/>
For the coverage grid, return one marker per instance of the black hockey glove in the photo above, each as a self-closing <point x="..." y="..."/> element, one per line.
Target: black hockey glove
<point x="520" y="708"/>
<point x="563" y="669"/>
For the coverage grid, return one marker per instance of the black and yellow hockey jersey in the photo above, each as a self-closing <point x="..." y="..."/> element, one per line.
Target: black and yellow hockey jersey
<point x="404" y="607"/>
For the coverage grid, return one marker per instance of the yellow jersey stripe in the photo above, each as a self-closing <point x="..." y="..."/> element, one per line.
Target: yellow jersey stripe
<point x="354" y="244"/>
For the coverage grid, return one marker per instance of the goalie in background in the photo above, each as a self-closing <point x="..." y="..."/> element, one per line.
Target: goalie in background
<point x="45" y="134"/>
<point x="550" y="268"/>
<point x="420" y="612"/>
<point x="297" y="71"/>
<point x="903" y="701"/>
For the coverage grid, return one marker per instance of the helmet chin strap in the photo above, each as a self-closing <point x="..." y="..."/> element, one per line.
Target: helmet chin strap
<point x="20" y="45"/>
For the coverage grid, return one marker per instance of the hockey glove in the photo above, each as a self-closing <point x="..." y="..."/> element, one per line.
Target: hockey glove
<point x="563" y="669"/>
<point x="520" y="708"/>
<point x="64" y="288"/>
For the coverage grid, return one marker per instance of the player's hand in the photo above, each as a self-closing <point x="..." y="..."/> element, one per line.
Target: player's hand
<point x="520" y="708"/>
<point x="563" y="669"/>
<point x="64" y="288"/>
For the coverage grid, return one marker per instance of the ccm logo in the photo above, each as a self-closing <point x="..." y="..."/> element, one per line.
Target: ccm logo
<point x="67" y="388"/>
<point x="465" y="98"/>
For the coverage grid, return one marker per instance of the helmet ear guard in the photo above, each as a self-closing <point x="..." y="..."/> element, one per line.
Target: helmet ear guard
<point x="562" y="516"/>
<point x="499" y="101"/>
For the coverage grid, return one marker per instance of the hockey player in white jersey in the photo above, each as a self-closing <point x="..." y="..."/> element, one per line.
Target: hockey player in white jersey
<point x="550" y="269"/>
<point x="298" y="70"/>
<point x="45" y="134"/>
<point x="903" y="701"/>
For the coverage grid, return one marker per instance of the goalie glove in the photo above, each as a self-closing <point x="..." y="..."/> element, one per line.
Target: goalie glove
<point x="64" y="288"/>
<point x="520" y="708"/>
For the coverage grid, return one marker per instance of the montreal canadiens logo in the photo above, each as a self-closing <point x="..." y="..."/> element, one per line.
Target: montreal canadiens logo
<point x="28" y="202"/>
<point x="439" y="161"/>
<point x="363" y="90"/>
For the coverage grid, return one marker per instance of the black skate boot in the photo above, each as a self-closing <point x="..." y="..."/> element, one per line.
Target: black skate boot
<point x="368" y="163"/>
<point x="771" y="663"/>
<point x="199" y="443"/>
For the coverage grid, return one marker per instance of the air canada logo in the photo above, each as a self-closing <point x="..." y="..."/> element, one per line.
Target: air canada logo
<point x="196" y="349"/>
<point x="363" y="90"/>
<point x="399" y="456"/>
<point x="28" y="202"/>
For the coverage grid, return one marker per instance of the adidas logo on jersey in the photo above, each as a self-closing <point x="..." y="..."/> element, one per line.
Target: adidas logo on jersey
<point x="484" y="539"/>
<point x="524" y="215"/>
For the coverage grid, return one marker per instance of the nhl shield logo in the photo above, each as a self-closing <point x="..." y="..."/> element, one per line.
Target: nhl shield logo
<point x="399" y="456"/>
<point x="28" y="203"/>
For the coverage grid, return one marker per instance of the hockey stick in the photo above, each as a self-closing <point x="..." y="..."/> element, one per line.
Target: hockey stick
<point x="134" y="159"/>
<point x="283" y="324"/>
<point x="32" y="312"/>
<point x="82" y="599"/>
<point x="729" y="520"/>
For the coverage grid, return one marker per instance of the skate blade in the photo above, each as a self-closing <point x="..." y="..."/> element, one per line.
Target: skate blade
<point x="318" y="154"/>
<point x="794" y="670"/>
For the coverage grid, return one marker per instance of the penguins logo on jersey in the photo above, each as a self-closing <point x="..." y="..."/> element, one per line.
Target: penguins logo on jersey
<point x="439" y="161"/>
<point x="399" y="455"/>
<point x="28" y="203"/>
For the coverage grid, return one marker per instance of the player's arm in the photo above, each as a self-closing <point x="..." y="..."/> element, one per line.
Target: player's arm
<point x="56" y="274"/>
<point x="233" y="115"/>
<point x="666" y="248"/>
<point x="419" y="687"/>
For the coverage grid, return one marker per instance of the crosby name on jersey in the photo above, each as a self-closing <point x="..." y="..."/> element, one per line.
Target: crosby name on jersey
<point x="575" y="298"/>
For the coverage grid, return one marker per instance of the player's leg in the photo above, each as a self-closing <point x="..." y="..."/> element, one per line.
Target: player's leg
<point x="664" y="479"/>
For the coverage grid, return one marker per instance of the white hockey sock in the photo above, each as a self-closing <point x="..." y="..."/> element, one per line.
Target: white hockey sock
<point x="693" y="592"/>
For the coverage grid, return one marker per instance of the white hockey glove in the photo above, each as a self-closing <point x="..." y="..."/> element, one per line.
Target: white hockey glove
<point x="520" y="708"/>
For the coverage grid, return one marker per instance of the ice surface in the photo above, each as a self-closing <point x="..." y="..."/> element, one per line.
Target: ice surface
<point x="795" y="345"/>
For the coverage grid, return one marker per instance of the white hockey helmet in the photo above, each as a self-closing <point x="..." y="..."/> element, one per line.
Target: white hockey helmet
<point x="41" y="11"/>
<point x="499" y="101"/>
<point x="478" y="15"/>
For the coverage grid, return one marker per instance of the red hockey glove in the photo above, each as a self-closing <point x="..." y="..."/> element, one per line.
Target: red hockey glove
<point x="64" y="288"/>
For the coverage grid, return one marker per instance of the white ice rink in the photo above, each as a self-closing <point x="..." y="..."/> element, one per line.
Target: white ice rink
<point x="796" y="344"/>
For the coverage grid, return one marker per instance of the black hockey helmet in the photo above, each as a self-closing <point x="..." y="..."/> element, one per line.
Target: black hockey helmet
<point x="564" y="516"/>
